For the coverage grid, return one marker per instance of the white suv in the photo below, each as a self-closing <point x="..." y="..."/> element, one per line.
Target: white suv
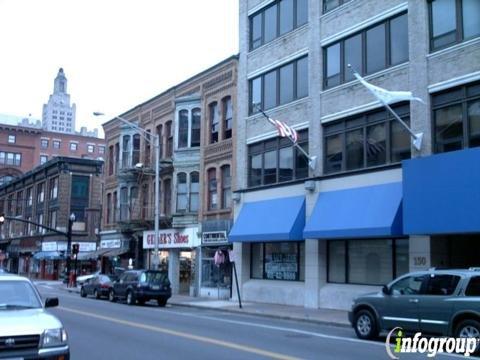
<point x="27" y="331"/>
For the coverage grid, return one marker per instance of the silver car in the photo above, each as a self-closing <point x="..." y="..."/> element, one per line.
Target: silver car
<point x="27" y="331"/>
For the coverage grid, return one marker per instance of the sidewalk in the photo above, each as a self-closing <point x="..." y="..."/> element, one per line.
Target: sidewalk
<point x="318" y="316"/>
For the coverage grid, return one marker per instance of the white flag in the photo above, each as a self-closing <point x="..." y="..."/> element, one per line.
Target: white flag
<point x="385" y="96"/>
<point x="284" y="130"/>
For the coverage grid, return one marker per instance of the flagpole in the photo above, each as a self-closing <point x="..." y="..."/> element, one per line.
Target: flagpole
<point x="311" y="159"/>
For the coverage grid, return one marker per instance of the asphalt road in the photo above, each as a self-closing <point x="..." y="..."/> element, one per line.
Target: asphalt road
<point x="99" y="329"/>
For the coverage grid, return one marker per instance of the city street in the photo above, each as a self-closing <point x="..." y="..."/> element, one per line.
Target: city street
<point x="99" y="329"/>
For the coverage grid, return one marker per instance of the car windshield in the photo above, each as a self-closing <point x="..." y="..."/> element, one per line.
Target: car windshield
<point x="154" y="277"/>
<point x="18" y="295"/>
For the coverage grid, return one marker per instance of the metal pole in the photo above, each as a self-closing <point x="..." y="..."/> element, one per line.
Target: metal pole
<point x="75" y="277"/>
<point x="69" y="249"/>
<point x="236" y="283"/>
<point x="157" y="196"/>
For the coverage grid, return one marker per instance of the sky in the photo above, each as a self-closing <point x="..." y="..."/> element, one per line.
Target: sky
<point x="116" y="54"/>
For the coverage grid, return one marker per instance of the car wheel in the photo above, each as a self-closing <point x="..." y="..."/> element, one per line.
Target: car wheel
<point x="130" y="298"/>
<point x="96" y="294"/>
<point x="82" y="292"/>
<point x="162" y="302"/>
<point x="365" y="325"/>
<point x="469" y="329"/>
<point x="141" y="302"/>
<point x="111" y="296"/>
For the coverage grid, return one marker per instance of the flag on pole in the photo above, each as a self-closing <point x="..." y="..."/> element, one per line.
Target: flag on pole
<point x="386" y="96"/>
<point x="284" y="130"/>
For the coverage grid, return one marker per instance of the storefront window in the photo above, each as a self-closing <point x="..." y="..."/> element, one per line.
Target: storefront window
<point x="213" y="275"/>
<point x="278" y="261"/>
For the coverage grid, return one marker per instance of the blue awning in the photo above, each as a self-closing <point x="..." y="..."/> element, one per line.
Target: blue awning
<point x="48" y="255"/>
<point x="270" y="220"/>
<point x="372" y="211"/>
<point x="442" y="193"/>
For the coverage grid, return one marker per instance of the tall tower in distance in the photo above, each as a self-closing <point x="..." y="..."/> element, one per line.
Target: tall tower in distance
<point x="57" y="114"/>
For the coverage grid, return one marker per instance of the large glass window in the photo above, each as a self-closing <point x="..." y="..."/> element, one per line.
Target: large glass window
<point x="372" y="139"/>
<point x="183" y="129"/>
<point x="456" y="117"/>
<point x="278" y="261"/>
<point x="212" y="190"/>
<point x="364" y="261"/>
<point x="136" y="149"/>
<point x="126" y="151"/>
<point x="227" y="117"/>
<point x="53" y="188"/>
<point x="226" y="187"/>
<point x="453" y="21"/>
<point x="194" y="190"/>
<point x="214" y="122"/>
<point x="169" y="136"/>
<point x="40" y="193"/>
<point x="182" y="198"/>
<point x="277" y="160"/>
<point x="277" y="19"/>
<point x="368" y="51"/>
<point x="279" y="86"/>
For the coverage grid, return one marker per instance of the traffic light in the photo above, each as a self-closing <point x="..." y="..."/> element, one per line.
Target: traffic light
<point x="75" y="248"/>
<point x="2" y="219"/>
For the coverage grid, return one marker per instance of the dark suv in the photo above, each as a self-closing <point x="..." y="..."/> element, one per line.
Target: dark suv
<point x="445" y="302"/>
<point x="139" y="286"/>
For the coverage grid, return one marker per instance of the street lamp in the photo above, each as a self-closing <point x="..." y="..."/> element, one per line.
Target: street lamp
<point x="156" y="144"/>
<point x="71" y="220"/>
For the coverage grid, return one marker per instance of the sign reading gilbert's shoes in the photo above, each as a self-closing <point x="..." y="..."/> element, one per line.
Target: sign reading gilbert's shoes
<point x="172" y="238"/>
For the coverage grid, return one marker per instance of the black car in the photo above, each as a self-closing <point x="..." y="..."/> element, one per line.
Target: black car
<point x="98" y="286"/>
<point x="139" y="286"/>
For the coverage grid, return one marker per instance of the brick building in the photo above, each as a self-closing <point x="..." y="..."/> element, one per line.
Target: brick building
<point x="48" y="195"/>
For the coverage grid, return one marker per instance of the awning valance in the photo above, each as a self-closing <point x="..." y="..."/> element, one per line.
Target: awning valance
<point x="371" y="211"/>
<point x="280" y="219"/>
<point x="115" y="252"/>
<point x="48" y="255"/>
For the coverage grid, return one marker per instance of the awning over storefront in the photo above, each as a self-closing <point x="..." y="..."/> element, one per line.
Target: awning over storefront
<point x="115" y="252"/>
<point x="92" y="255"/>
<point x="48" y="255"/>
<point x="270" y="220"/>
<point x="442" y="193"/>
<point x="371" y="211"/>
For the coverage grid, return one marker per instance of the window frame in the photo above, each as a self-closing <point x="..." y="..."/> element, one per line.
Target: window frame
<point x="340" y="3"/>
<point x="211" y="191"/>
<point x="226" y="189"/>
<point x="44" y="143"/>
<point x="12" y="139"/>
<point x="185" y="193"/>
<point x="227" y="118"/>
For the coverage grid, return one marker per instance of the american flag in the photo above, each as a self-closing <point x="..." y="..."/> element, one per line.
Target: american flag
<point x="284" y="130"/>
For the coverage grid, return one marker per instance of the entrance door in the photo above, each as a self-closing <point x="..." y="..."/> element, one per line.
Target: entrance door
<point x="187" y="261"/>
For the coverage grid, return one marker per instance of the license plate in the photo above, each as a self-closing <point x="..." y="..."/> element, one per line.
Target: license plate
<point x="155" y="287"/>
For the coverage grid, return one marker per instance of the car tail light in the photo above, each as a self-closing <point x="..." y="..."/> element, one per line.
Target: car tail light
<point x="104" y="286"/>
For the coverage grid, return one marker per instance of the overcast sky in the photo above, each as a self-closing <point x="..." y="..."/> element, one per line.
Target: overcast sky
<point x="115" y="53"/>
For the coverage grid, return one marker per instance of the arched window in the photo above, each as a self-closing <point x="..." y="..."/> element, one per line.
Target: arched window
<point x="226" y="187"/>
<point x="227" y="117"/>
<point x="214" y="122"/>
<point x="212" y="189"/>
<point x="194" y="190"/>
<point x="182" y="129"/>
<point x="182" y="200"/>
<point x="195" y="136"/>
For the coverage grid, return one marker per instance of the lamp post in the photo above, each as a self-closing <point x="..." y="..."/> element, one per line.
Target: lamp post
<point x="156" y="144"/>
<point x="71" y="220"/>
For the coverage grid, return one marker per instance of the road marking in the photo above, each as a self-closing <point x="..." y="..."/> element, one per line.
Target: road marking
<point x="204" y="339"/>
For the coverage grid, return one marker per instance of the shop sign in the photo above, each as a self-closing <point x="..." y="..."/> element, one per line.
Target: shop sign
<point x="214" y="237"/>
<point x="110" y="244"/>
<point x="172" y="238"/>
<point x="62" y="246"/>
<point x="49" y="246"/>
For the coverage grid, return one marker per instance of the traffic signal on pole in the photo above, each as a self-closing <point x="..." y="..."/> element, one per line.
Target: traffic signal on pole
<point x="75" y="248"/>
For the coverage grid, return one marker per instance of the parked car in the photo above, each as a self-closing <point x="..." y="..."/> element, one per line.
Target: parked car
<point x="141" y="286"/>
<point x="98" y="286"/>
<point x="445" y="302"/>
<point x="83" y="278"/>
<point x="27" y="330"/>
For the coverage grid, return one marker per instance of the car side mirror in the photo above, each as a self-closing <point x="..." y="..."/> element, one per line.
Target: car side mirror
<point x="385" y="290"/>
<point x="51" y="302"/>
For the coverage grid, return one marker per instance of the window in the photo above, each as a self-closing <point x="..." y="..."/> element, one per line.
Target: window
<point x="117" y="156"/>
<point x="159" y="133"/>
<point x="44" y="143"/>
<point x="456" y="117"/>
<point x="40" y="193"/>
<point x="227" y="117"/>
<point x="226" y="187"/>
<point x="29" y="197"/>
<point x="101" y="149"/>
<point x="108" y="215"/>
<point x="410" y="285"/>
<point x="189" y="128"/>
<point x="212" y="190"/>
<point x="332" y="4"/>
<point x="52" y="216"/>
<point x="214" y="122"/>
<point x="40" y="222"/>
<point x="56" y="144"/>
<point x="169" y="135"/>
<point x="90" y="148"/>
<point x="167" y="184"/>
<point x="182" y="129"/>
<point x="7" y="158"/>
<point x="126" y="151"/>
<point x="277" y="19"/>
<point x="73" y="146"/>
<point x="442" y="285"/>
<point x="196" y="123"/>
<point x="43" y="159"/>
<point x="280" y="86"/>
<point x="79" y="198"/>
<point x="114" y="206"/>
<point x="145" y="208"/>
<point x="53" y="186"/>
<point x="19" y="208"/>
<point x="473" y="287"/>
<point x="136" y="149"/>
<point x="363" y="261"/>
<point x="276" y="160"/>
<point x="182" y="196"/>
<point x="371" y="139"/>
<point x="278" y="261"/>
<point x="453" y="21"/>
<point x="11" y="139"/>
<point x="194" y="190"/>
<point x="111" y="161"/>
<point x="124" y="205"/>
<point x="371" y="50"/>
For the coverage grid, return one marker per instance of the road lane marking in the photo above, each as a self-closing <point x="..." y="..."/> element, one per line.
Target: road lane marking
<point x="204" y="339"/>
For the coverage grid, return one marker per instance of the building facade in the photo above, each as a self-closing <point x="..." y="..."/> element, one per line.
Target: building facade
<point x="23" y="148"/>
<point x="181" y="117"/>
<point x="48" y="195"/>
<point x="319" y="236"/>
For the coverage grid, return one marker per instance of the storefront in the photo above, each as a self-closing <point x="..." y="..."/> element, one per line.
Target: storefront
<point x="112" y="254"/>
<point x="21" y="257"/>
<point x="177" y="253"/>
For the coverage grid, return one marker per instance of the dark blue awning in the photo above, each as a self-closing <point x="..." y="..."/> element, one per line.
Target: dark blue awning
<point x="442" y="193"/>
<point x="270" y="220"/>
<point x="372" y="211"/>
